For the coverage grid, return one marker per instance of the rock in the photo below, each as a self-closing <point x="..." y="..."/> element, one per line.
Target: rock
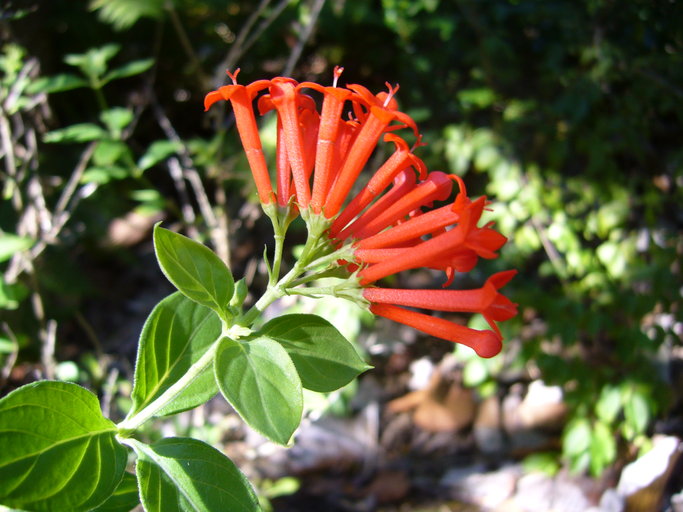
<point x="443" y="406"/>
<point x="537" y="492"/>
<point x="487" y="430"/>
<point x="488" y="490"/>
<point x="642" y="483"/>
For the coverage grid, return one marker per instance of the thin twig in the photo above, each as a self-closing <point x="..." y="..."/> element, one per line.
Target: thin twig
<point x="11" y="357"/>
<point x="185" y="42"/>
<point x="236" y="50"/>
<point x="48" y="337"/>
<point x="72" y="184"/>
<point x="109" y="390"/>
<point x="306" y="32"/>
<point x="186" y="209"/>
<point x="64" y="209"/>
<point x="219" y="235"/>
<point x="264" y="25"/>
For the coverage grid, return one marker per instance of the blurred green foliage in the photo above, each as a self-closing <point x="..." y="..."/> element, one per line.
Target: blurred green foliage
<point x="567" y="114"/>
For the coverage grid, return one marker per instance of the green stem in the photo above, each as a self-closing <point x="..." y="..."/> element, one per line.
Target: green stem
<point x="134" y="422"/>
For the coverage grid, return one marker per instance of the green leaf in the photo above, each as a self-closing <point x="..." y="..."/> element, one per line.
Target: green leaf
<point x="176" y="334"/>
<point x="93" y="63"/>
<point x="108" y="151"/>
<point x="603" y="448"/>
<point x="608" y="404"/>
<point x="82" y="132"/>
<point x="577" y="437"/>
<point x="103" y="175"/>
<point x="132" y="68"/>
<point x="57" y="451"/>
<point x="194" y="269"/>
<point x="116" y="119"/>
<point x="260" y="381"/>
<point x="475" y="373"/>
<point x="56" y="83"/>
<point x="158" y="151"/>
<point x="125" y="498"/>
<point x="181" y="474"/>
<point x="324" y="359"/>
<point x="11" y="244"/>
<point x="636" y="414"/>
<point x="124" y="13"/>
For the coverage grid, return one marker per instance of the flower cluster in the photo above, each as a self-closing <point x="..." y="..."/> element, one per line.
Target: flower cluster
<point x="391" y="223"/>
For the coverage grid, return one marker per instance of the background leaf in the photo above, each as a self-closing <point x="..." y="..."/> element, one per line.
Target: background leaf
<point x="324" y="359"/>
<point x="158" y="151"/>
<point x="56" y="83"/>
<point x="81" y="132"/>
<point x="260" y="381"/>
<point x="57" y="451"/>
<point x="180" y="474"/>
<point x="132" y="68"/>
<point x="11" y="244"/>
<point x="176" y="334"/>
<point x="194" y="269"/>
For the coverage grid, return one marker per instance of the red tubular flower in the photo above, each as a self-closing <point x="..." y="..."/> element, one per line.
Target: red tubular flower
<point x="283" y="94"/>
<point x="390" y="224"/>
<point x="485" y="300"/>
<point x="373" y="124"/>
<point x="436" y="187"/>
<point x="484" y="343"/>
<point x="400" y="160"/>
<point x="430" y="252"/>
<point x="241" y="98"/>
<point x="328" y="135"/>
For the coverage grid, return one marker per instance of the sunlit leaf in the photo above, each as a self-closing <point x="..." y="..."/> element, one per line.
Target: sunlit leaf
<point x="194" y="269"/>
<point x="324" y="359"/>
<point x="57" y="451"/>
<point x="125" y="497"/>
<point x="181" y="474"/>
<point x="176" y="334"/>
<point x="260" y="381"/>
<point x="10" y="244"/>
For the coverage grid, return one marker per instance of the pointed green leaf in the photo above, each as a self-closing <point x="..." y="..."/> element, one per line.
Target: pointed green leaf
<point x="10" y="244"/>
<point x="324" y="359"/>
<point x="158" y="151"/>
<point x="108" y="151"/>
<point x="180" y="474"/>
<point x="125" y="498"/>
<point x="116" y="119"/>
<point x="82" y="132"/>
<point x="103" y="175"/>
<point x="194" y="269"/>
<point x="57" y="451"/>
<point x="132" y="68"/>
<point x="260" y="381"/>
<point x="176" y="334"/>
<point x="56" y="83"/>
<point x="93" y="63"/>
